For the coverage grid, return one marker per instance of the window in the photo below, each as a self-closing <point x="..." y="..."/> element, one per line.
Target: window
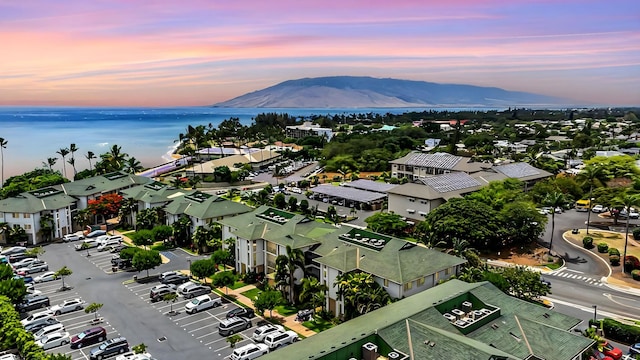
<point x="15" y="215"/>
<point x="27" y="226"/>
<point x="26" y="216"/>
<point x="386" y="282"/>
<point x="420" y="282"/>
<point x="448" y="271"/>
<point x="423" y="201"/>
<point x="411" y="211"/>
<point x="408" y="286"/>
<point x="412" y="200"/>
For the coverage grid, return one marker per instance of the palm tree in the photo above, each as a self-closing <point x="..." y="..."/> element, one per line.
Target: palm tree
<point x="115" y="158"/>
<point x="50" y="163"/>
<point x="132" y="165"/>
<point x="72" y="149"/>
<point x="626" y="200"/>
<point x="90" y="156"/>
<point x="3" y="145"/>
<point x="47" y="225"/>
<point x="63" y="152"/>
<point x="295" y="260"/>
<point x="554" y="200"/>
<point x="312" y="292"/>
<point x="589" y="175"/>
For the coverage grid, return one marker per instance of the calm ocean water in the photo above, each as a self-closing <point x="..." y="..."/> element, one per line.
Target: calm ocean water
<point x="149" y="134"/>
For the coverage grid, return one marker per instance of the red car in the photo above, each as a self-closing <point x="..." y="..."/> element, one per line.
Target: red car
<point x="88" y="337"/>
<point x="611" y="351"/>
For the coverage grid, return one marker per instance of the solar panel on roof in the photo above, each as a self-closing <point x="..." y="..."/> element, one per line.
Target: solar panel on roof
<point x="437" y="160"/>
<point x="450" y="182"/>
<point x="517" y="170"/>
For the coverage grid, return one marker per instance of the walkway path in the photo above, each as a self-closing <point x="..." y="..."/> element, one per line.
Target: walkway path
<point x="287" y="321"/>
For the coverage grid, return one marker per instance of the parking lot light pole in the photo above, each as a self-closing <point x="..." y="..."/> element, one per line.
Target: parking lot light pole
<point x="189" y="261"/>
<point x="595" y="312"/>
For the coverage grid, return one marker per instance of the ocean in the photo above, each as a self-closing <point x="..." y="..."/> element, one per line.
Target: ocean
<point x="34" y="134"/>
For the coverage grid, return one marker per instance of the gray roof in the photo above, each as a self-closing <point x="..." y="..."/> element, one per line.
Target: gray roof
<point x="444" y="161"/>
<point x="521" y="171"/>
<point x="344" y="192"/>
<point x="451" y="182"/>
<point x="370" y="185"/>
<point x="416" y="325"/>
<point x="445" y="186"/>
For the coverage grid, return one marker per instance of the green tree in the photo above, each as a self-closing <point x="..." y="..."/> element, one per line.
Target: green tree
<point x="360" y="293"/>
<point x="162" y="233"/>
<point x="386" y="223"/>
<point x="224" y="279"/>
<point x="147" y="218"/>
<point x="93" y="308"/>
<point x="63" y="152"/>
<point x="143" y="237"/>
<point x="267" y="300"/>
<point x="90" y="156"/>
<point x="313" y="293"/>
<point x="590" y="175"/>
<point x="554" y="200"/>
<point x="3" y="145"/>
<point x="203" y="269"/>
<point x="221" y="257"/>
<point x="627" y="201"/>
<point x="521" y="222"/>
<point x="62" y="273"/>
<point x="72" y="149"/>
<point x="140" y="348"/>
<point x="170" y="298"/>
<point x="14" y="289"/>
<point x="518" y="281"/>
<point x="200" y="238"/>
<point x="181" y="229"/>
<point x="129" y="252"/>
<point x="35" y="252"/>
<point x="292" y="204"/>
<point x="279" y="201"/>
<point x="304" y="206"/>
<point x="233" y="340"/>
<point x="146" y="260"/>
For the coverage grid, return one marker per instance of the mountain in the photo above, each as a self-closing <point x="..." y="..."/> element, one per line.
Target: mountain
<point x="368" y="92"/>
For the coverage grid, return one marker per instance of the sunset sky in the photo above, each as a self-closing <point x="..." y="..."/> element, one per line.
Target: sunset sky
<point x="199" y="52"/>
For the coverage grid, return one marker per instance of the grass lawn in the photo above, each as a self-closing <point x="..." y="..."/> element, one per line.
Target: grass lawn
<point x="612" y="239"/>
<point x="160" y="247"/>
<point x="554" y="266"/>
<point x="237" y="285"/>
<point x="318" y="325"/>
<point x="286" y="310"/>
<point x="251" y="294"/>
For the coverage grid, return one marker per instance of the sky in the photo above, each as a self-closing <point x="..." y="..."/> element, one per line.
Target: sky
<point x="199" y="52"/>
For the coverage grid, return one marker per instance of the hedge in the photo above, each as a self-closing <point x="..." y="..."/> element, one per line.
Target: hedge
<point x="636" y="233"/>
<point x="617" y="331"/>
<point x="603" y="247"/>
<point x="13" y="335"/>
<point x="614" y="260"/>
<point x="614" y="251"/>
<point x="636" y="275"/>
<point x="587" y="242"/>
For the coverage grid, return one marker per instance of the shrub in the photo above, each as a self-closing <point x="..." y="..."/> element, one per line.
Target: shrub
<point x="614" y="251"/>
<point x="619" y="332"/>
<point x="636" y="275"/>
<point x="636" y="233"/>
<point x="603" y="247"/>
<point x="614" y="260"/>
<point x="631" y="263"/>
<point x="587" y="242"/>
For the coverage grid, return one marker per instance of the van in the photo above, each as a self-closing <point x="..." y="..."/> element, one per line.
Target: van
<point x="227" y="327"/>
<point x="279" y="339"/>
<point x="50" y="329"/>
<point x="190" y="292"/>
<point x="583" y="205"/>
<point x="249" y="352"/>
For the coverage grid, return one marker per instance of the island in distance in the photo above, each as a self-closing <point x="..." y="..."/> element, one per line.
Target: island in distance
<point x="369" y="92"/>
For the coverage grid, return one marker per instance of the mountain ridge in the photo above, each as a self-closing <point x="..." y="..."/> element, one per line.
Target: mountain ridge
<point x="369" y="92"/>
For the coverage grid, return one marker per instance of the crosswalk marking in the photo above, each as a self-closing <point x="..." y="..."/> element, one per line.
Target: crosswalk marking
<point x="564" y="273"/>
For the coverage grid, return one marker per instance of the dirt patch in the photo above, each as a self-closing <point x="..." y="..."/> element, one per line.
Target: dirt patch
<point x="528" y="256"/>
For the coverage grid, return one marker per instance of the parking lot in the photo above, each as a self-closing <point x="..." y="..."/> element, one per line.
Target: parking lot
<point x="201" y="326"/>
<point x="75" y="321"/>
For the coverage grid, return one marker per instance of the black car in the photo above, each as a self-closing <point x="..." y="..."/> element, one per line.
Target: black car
<point x="88" y="337"/>
<point x="108" y="348"/>
<point x="34" y="327"/>
<point x="124" y="263"/>
<point x="176" y="279"/>
<point x="32" y="302"/>
<point x="241" y="312"/>
<point x="17" y="257"/>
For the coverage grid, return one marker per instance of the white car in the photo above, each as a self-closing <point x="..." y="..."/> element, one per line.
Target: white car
<point x="48" y="330"/>
<point x="24" y="263"/>
<point x="91" y="243"/>
<point x="279" y="339"/>
<point x="34" y="267"/>
<point x="54" y="340"/>
<point x="132" y="356"/>
<point x="249" y="352"/>
<point x="73" y="237"/>
<point x="67" y="306"/>
<point x="38" y="316"/>
<point x="47" y="276"/>
<point x="201" y="303"/>
<point x="14" y="250"/>
<point x="9" y="357"/>
<point x="262" y="331"/>
<point x="106" y="244"/>
<point x="599" y="209"/>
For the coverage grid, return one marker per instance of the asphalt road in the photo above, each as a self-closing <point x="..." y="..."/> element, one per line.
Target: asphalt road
<point x="127" y="311"/>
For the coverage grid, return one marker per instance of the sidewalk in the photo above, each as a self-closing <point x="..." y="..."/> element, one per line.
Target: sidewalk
<point x="540" y="269"/>
<point x="288" y="321"/>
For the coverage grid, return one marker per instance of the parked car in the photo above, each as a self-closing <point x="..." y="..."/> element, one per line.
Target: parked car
<point x="68" y="306"/>
<point x="599" y="209"/>
<point x="248" y="352"/>
<point x="108" y="348"/>
<point x="227" y="327"/>
<point x="88" y="337"/>
<point x="158" y="292"/>
<point x="610" y="350"/>
<point x="50" y="329"/>
<point x="47" y="276"/>
<point x="53" y="340"/>
<point x="32" y="302"/>
<point x="106" y="244"/>
<point x="279" y="339"/>
<point x="96" y="233"/>
<point x="91" y="243"/>
<point x="241" y="312"/>
<point x="201" y="303"/>
<point x="13" y="258"/>
<point x="634" y="349"/>
<point x="35" y="267"/>
<point x="115" y="249"/>
<point x="262" y="331"/>
<point x="33" y="327"/>
<point x="167" y="273"/>
<point x="132" y="356"/>
<point x="13" y="250"/>
<point x="190" y="292"/>
<point x="40" y="316"/>
<point x="24" y="262"/>
<point x="73" y="237"/>
<point x="25" y="278"/>
<point x="175" y="279"/>
<point x="9" y="357"/>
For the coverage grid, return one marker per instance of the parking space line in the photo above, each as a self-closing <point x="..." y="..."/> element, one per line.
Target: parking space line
<point x="197" y="321"/>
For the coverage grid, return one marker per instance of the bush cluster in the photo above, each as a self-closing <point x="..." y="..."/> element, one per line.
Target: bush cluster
<point x="636" y="275"/>
<point x="614" y="251"/>
<point x="587" y="242"/>
<point x="636" y="233"/>
<point x="603" y="247"/>
<point x="614" y="260"/>
<point x="13" y="334"/>
<point x="619" y="332"/>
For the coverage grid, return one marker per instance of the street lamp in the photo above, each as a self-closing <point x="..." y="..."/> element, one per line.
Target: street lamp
<point x="595" y="312"/>
<point x="189" y="261"/>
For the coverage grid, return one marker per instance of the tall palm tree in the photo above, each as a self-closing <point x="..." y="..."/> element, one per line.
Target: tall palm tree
<point x="554" y="200"/>
<point x="626" y="200"/>
<point x="313" y="292"/>
<point x="3" y="145"/>
<point x="132" y="165"/>
<point x="47" y="226"/>
<point x="90" y="156"/>
<point x="114" y="158"/>
<point x="589" y="175"/>
<point x="63" y="152"/>
<point x="72" y="149"/>
<point x="50" y="163"/>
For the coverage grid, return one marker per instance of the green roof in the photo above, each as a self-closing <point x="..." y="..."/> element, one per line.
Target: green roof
<point x="103" y="184"/>
<point x="151" y="193"/>
<point x="415" y="326"/>
<point x="204" y="206"/>
<point x="398" y="260"/>
<point x="32" y="202"/>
